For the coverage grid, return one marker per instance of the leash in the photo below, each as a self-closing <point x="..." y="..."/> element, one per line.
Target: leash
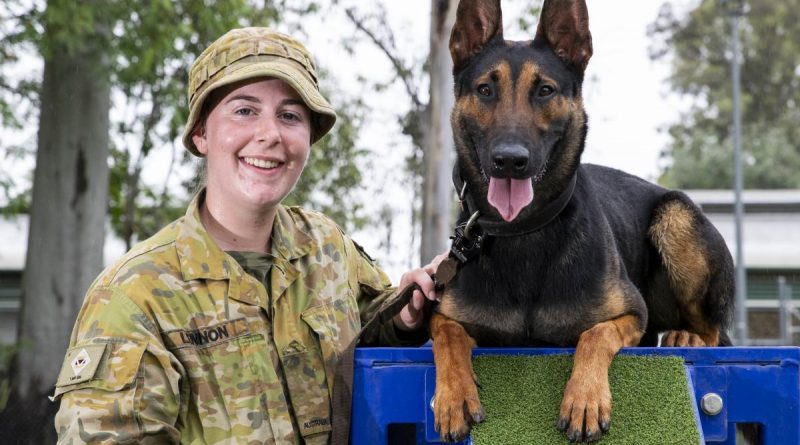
<point x="466" y="246"/>
<point x="342" y="400"/>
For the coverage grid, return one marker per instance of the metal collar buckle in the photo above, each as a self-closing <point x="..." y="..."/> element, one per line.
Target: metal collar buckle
<point x="467" y="240"/>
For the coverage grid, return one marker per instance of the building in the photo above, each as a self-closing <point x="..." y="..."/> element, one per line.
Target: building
<point x="771" y="248"/>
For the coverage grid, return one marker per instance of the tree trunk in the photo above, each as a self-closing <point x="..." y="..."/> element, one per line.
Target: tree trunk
<point x="67" y="229"/>
<point x="438" y="198"/>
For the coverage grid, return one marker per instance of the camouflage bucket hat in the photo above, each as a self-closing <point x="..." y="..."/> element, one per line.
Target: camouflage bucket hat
<point x="249" y="53"/>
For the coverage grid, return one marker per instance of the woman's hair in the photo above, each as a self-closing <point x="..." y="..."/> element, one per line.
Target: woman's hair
<point x="211" y="101"/>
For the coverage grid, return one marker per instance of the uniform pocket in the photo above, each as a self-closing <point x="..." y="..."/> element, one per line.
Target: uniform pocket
<point x="107" y="364"/>
<point x="225" y="377"/>
<point x="335" y="324"/>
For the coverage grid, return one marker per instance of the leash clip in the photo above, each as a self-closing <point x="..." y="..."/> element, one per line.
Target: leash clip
<point x="470" y="224"/>
<point x="467" y="240"/>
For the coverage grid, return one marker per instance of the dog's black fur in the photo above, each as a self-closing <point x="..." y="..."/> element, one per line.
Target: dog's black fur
<point x="622" y="262"/>
<point x="555" y="276"/>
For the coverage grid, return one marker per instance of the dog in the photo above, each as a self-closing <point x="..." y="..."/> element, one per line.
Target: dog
<point x="558" y="253"/>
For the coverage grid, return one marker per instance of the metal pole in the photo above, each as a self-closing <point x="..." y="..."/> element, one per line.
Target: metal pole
<point x="783" y="315"/>
<point x="741" y="279"/>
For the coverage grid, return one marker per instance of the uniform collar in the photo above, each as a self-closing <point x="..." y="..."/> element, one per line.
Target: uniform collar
<point x="289" y="240"/>
<point x="201" y="258"/>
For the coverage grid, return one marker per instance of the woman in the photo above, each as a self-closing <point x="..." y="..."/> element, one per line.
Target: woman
<point x="226" y="325"/>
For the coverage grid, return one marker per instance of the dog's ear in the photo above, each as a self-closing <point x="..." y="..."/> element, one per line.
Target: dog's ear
<point x="477" y="23"/>
<point x="564" y="25"/>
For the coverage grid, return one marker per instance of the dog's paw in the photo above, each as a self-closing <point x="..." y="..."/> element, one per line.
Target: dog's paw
<point x="456" y="408"/>
<point x="585" y="412"/>
<point x="681" y="339"/>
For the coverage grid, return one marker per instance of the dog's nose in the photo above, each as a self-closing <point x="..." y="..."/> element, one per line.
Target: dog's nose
<point x="510" y="159"/>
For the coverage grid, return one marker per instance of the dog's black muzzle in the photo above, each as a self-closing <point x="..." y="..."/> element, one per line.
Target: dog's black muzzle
<point x="510" y="161"/>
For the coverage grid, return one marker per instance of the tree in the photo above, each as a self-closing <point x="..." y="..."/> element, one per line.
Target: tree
<point x="139" y="53"/>
<point x="153" y="44"/>
<point x="415" y="123"/>
<point x="698" y="46"/>
<point x="437" y="195"/>
<point x="67" y="226"/>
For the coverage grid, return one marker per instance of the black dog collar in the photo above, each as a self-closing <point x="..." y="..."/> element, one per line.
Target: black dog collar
<point x="472" y="229"/>
<point x="495" y="227"/>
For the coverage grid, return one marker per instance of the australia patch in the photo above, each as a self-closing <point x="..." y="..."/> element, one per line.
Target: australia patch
<point x="80" y="364"/>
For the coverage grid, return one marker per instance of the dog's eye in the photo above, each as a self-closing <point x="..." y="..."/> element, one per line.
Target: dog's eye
<point x="484" y="90"/>
<point x="546" y="91"/>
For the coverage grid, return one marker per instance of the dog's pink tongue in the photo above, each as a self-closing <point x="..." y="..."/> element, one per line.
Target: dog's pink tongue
<point x="510" y="196"/>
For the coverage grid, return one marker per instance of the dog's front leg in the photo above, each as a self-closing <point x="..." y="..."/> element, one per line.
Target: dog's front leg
<point x="456" y="405"/>
<point x="586" y="407"/>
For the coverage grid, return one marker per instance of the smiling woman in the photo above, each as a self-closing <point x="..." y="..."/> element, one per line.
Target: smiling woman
<point x="226" y="326"/>
<point x="256" y="141"/>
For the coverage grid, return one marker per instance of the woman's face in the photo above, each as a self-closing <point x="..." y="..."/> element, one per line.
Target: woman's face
<point x="256" y="140"/>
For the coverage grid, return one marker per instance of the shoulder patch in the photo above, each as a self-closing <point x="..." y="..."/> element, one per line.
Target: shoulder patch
<point x="80" y="364"/>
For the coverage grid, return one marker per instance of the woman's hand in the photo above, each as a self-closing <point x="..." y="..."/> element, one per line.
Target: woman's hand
<point x="410" y="317"/>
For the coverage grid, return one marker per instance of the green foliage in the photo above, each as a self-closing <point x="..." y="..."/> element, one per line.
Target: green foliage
<point x="698" y="47"/>
<point x="150" y="47"/>
<point x="17" y="102"/>
<point x="154" y="43"/>
<point x="529" y="18"/>
<point x="332" y="177"/>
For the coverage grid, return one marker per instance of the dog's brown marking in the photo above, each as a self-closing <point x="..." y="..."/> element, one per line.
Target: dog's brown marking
<point x="456" y="404"/>
<point x="557" y="108"/>
<point x="674" y="233"/>
<point x="524" y="83"/>
<point x="620" y="297"/>
<point x="573" y="138"/>
<point x="586" y="407"/>
<point x="521" y="113"/>
<point x="513" y="107"/>
<point x="472" y="107"/>
<point x="614" y="304"/>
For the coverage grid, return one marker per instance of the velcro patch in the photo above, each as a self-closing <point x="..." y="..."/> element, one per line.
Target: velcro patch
<point x="207" y="335"/>
<point x="80" y="364"/>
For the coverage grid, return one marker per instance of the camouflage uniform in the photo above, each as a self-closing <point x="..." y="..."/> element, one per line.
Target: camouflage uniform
<point x="176" y="343"/>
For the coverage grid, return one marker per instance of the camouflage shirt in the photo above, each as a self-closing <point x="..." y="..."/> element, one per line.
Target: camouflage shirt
<point x="175" y="343"/>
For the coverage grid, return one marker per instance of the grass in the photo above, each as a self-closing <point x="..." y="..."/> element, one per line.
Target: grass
<point x="522" y="395"/>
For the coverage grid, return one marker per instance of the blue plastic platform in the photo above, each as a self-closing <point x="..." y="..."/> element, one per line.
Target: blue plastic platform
<point x="392" y="389"/>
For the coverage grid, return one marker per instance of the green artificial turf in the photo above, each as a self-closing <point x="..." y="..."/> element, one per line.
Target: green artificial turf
<point x="522" y="395"/>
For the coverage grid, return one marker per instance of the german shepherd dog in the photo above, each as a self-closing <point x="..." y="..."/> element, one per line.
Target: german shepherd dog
<point x="573" y="254"/>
